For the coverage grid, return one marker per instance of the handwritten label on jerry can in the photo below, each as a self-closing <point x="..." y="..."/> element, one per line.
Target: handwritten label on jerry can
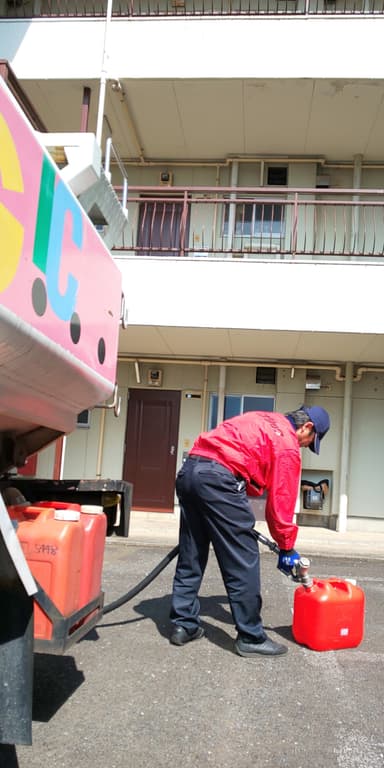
<point x="328" y="615"/>
<point x="53" y="545"/>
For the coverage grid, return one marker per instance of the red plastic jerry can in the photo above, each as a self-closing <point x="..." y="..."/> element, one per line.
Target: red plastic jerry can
<point x="53" y="544"/>
<point x="328" y="615"/>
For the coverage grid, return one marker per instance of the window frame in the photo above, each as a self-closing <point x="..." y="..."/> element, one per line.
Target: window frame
<point x="213" y="405"/>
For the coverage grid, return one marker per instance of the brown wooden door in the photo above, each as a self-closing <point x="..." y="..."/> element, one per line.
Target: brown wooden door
<point x="151" y="448"/>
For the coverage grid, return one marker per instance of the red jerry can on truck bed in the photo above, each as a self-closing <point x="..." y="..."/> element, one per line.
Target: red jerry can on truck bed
<point x="328" y="614"/>
<point x="64" y="548"/>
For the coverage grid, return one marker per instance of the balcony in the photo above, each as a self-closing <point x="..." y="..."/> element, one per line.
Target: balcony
<point x="210" y="8"/>
<point x="244" y="223"/>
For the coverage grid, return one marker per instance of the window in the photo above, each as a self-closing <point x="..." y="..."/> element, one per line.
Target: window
<point x="277" y="175"/>
<point x="256" y="219"/>
<point x="234" y="405"/>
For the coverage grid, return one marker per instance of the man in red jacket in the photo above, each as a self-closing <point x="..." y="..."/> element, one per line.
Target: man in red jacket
<point x="250" y="454"/>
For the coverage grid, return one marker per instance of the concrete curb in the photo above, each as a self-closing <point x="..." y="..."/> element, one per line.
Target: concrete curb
<point x="161" y="529"/>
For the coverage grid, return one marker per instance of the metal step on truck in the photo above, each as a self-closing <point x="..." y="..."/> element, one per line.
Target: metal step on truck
<point x="60" y="312"/>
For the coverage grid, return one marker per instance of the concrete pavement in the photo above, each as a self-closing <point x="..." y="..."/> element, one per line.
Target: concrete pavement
<point x="124" y="697"/>
<point x="157" y="528"/>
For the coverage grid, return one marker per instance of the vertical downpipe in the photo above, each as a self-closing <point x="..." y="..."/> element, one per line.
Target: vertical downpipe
<point x="85" y="107"/>
<point x="221" y="396"/>
<point x="345" y="451"/>
<point x="232" y="206"/>
<point x="203" y="425"/>
<point x="58" y="467"/>
<point x="357" y="164"/>
<point x="100" y="447"/>
<point x="103" y="76"/>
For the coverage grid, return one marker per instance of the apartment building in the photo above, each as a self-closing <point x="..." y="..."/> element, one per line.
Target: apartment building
<point x="241" y="193"/>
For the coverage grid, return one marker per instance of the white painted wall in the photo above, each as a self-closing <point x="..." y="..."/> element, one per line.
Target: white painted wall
<point x="309" y="47"/>
<point x="353" y="294"/>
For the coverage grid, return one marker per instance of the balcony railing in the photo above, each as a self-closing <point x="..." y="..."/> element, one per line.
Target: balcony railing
<point x="273" y="222"/>
<point x="145" y="8"/>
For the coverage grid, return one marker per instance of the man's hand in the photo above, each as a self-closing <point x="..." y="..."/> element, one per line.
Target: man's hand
<point x="288" y="561"/>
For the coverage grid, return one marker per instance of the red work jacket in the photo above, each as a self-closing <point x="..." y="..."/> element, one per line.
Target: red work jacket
<point x="262" y="448"/>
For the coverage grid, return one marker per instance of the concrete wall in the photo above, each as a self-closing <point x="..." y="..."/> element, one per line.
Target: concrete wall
<point x="365" y="495"/>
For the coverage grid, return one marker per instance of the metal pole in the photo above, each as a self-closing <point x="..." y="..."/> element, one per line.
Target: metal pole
<point x="103" y="76"/>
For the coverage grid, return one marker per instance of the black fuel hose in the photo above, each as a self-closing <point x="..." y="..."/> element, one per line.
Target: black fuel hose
<point x="143" y="583"/>
<point x="163" y="564"/>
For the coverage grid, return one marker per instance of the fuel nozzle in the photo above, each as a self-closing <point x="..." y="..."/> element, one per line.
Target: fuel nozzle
<point x="301" y="574"/>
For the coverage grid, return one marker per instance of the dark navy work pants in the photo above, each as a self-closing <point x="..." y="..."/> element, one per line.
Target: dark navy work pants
<point x="214" y="508"/>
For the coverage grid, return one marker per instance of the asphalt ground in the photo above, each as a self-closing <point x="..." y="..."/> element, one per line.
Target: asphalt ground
<point x="123" y="697"/>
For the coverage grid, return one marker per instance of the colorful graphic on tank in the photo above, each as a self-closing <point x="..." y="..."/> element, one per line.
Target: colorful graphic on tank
<point x="55" y="272"/>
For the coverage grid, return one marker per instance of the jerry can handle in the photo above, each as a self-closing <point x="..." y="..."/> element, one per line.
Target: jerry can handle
<point x="35" y="512"/>
<point x="335" y="583"/>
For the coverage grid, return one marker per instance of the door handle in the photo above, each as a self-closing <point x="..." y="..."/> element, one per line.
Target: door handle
<point x="172" y="450"/>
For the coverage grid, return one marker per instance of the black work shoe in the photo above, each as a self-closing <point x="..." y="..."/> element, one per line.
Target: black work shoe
<point x="180" y="636"/>
<point x="245" y="647"/>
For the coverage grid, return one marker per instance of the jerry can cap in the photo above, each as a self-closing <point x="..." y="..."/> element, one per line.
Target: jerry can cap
<point x="91" y="509"/>
<point x="67" y="515"/>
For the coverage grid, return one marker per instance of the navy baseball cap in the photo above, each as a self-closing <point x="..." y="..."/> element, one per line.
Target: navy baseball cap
<point x="321" y="423"/>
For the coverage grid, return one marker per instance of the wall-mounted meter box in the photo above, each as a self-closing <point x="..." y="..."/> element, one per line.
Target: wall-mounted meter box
<point x="155" y="377"/>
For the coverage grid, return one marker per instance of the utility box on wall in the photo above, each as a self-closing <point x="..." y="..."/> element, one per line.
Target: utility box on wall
<point x="314" y="502"/>
<point x="314" y="493"/>
<point x="155" y="377"/>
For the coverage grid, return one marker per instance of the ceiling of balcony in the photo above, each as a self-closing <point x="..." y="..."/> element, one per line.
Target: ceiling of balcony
<point x="226" y="344"/>
<point x="171" y="119"/>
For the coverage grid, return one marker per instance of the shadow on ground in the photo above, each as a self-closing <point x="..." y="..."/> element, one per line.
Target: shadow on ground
<point x="213" y="609"/>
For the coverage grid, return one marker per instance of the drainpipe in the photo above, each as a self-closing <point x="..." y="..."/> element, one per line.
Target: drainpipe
<point x="232" y="208"/>
<point x="356" y="183"/>
<point x="204" y="400"/>
<point x="100" y="447"/>
<point x="85" y="107"/>
<point x="103" y="76"/>
<point x="221" y="394"/>
<point x="345" y="450"/>
<point x="58" y="467"/>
